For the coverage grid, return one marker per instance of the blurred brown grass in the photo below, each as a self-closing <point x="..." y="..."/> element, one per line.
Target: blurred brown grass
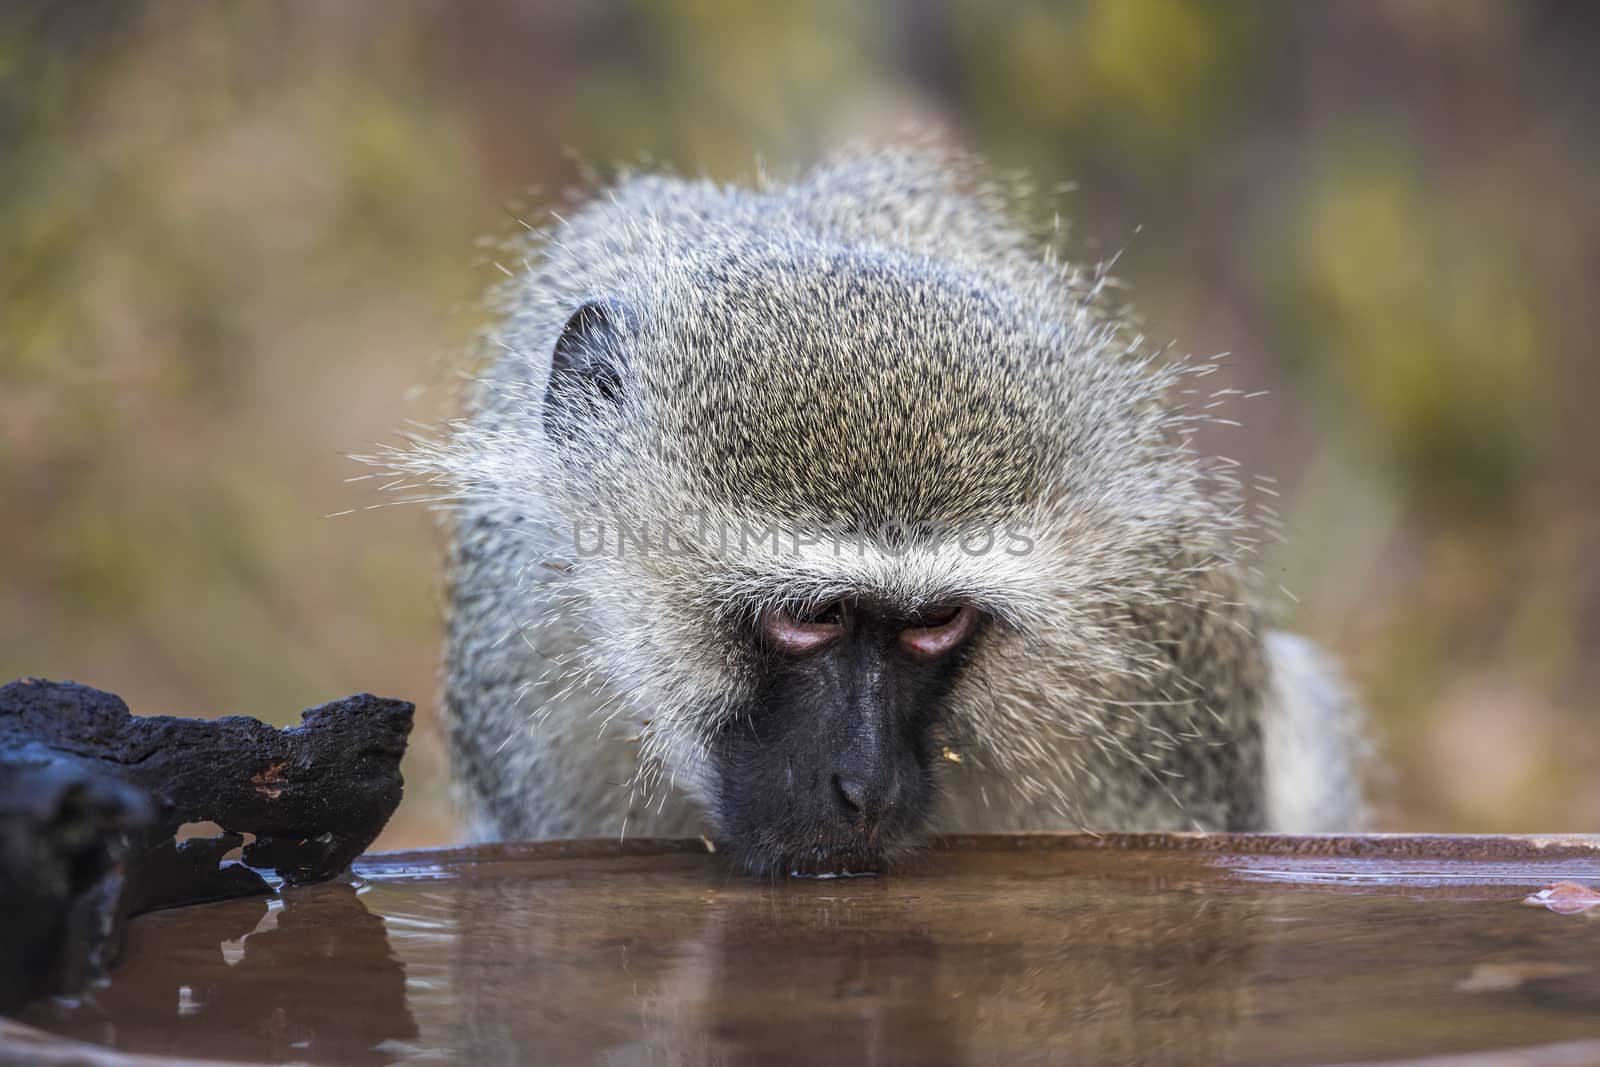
<point x="237" y="243"/>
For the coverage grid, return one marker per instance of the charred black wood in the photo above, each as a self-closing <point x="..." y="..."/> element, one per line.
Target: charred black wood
<point x="92" y="798"/>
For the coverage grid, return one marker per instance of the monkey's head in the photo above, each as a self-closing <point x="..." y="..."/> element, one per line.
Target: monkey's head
<point x="836" y="521"/>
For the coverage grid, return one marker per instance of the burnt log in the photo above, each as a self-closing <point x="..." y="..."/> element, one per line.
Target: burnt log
<point x="92" y="799"/>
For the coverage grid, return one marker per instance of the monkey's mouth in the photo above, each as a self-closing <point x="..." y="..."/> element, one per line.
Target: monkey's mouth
<point x="837" y="865"/>
<point x="813" y="825"/>
<point x="771" y="853"/>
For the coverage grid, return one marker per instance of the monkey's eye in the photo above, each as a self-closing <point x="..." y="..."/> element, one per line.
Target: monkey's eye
<point x="831" y="614"/>
<point x="935" y="631"/>
<point x="936" y="616"/>
<point x="796" y="629"/>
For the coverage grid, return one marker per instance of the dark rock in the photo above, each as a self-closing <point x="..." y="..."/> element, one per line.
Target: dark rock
<point x="91" y="800"/>
<point x="65" y="839"/>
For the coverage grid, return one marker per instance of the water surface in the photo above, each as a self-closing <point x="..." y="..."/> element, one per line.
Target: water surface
<point x="986" y="951"/>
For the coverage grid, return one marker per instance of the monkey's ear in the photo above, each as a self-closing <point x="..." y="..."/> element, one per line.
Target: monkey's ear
<point x="588" y="364"/>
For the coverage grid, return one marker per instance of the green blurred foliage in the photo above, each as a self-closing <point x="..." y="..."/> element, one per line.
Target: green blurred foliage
<point x="1147" y="82"/>
<point x="237" y="243"/>
<point x="1427" y="321"/>
<point x="705" y="87"/>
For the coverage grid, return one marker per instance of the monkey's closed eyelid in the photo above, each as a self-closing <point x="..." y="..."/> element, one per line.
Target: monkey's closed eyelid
<point x="941" y="636"/>
<point x="800" y="634"/>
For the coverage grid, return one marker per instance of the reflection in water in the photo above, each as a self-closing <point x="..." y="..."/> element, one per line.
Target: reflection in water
<point x="974" y="956"/>
<point x="1033" y="984"/>
<point x="878" y="971"/>
<point x="240" y="979"/>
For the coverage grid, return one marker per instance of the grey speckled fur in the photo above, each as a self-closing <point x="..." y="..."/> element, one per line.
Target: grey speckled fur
<point x="876" y="340"/>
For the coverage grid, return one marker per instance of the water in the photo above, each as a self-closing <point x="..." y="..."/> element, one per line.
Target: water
<point x="986" y="952"/>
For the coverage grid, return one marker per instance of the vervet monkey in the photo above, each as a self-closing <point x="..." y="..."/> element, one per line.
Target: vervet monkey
<point x="817" y="516"/>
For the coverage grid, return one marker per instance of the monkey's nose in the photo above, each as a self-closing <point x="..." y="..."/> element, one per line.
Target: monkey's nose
<point x="866" y="800"/>
<point x="852" y="791"/>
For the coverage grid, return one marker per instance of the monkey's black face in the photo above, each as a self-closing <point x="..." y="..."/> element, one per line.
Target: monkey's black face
<point x="829" y="769"/>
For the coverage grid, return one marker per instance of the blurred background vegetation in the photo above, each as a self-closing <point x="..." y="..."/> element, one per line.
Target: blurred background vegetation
<point x="238" y="241"/>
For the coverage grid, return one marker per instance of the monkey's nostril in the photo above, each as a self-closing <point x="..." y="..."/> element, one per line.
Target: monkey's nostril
<point x="852" y="791"/>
